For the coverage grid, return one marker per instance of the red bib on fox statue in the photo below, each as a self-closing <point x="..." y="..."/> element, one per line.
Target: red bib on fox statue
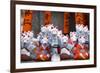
<point x="80" y="52"/>
<point x="44" y="54"/>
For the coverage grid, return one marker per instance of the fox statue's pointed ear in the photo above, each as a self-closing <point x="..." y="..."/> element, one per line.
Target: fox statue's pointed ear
<point x="41" y="25"/>
<point x="86" y="28"/>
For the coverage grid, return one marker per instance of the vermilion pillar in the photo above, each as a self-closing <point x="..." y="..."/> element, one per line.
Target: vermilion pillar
<point x="79" y="18"/>
<point x="27" y="24"/>
<point x="82" y="18"/>
<point x="47" y="17"/>
<point x="66" y="23"/>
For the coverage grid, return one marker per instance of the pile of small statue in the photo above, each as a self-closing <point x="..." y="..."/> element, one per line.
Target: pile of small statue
<point x="52" y="45"/>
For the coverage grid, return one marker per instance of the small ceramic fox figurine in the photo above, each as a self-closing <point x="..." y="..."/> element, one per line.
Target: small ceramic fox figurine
<point x="64" y="49"/>
<point x="81" y="49"/>
<point x="44" y="50"/>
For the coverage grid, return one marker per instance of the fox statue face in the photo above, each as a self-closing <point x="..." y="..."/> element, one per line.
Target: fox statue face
<point x="64" y="40"/>
<point x="26" y="36"/>
<point x="54" y="32"/>
<point x="82" y="39"/>
<point x="73" y="36"/>
<point x="50" y="27"/>
<point x="44" y="42"/>
<point x="44" y="30"/>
